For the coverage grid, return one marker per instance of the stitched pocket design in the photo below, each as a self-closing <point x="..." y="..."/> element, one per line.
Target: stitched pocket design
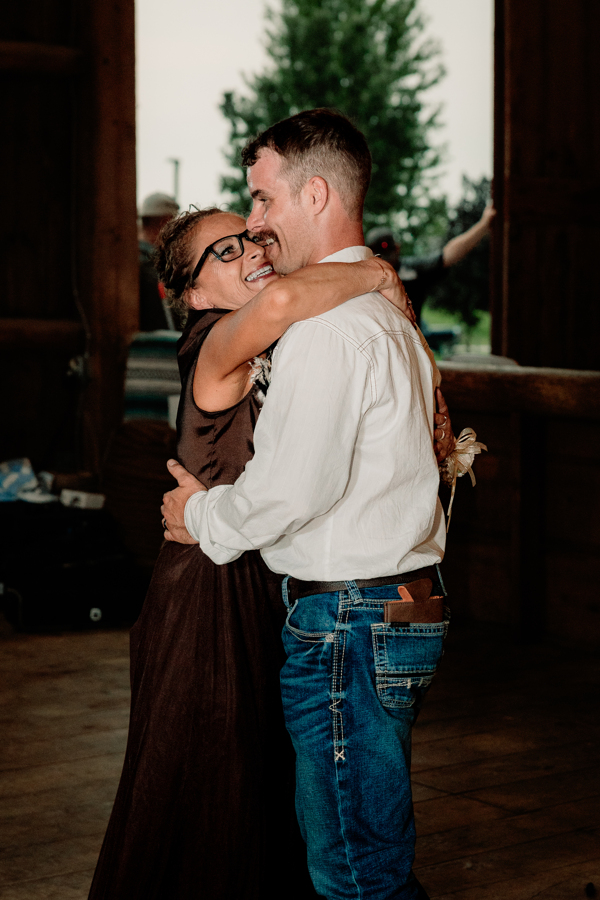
<point x="406" y="659"/>
<point x="309" y="620"/>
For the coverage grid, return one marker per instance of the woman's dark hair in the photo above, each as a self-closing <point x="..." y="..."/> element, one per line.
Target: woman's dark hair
<point x="173" y="258"/>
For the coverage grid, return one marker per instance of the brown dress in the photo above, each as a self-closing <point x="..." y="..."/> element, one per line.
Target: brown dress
<point x="204" y="808"/>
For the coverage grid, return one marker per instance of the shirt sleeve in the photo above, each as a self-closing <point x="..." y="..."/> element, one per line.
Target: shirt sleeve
<point x="304" y="443"/>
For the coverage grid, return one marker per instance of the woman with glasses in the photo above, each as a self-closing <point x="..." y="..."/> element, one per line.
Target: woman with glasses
<point x="205" y="805"/>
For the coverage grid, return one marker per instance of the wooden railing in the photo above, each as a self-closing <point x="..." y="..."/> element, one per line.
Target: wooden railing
<point x="523" y="389"/>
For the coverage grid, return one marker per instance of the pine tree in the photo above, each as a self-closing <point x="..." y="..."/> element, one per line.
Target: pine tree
<point x="367" y="59"/>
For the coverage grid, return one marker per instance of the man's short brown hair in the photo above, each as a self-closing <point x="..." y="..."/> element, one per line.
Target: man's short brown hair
<point x="319" y="142"/>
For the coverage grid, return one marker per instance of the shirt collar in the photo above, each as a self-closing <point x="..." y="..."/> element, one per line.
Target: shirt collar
<point x="349" y="254"/>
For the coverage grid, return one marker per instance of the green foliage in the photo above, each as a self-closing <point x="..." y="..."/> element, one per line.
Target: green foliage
<point x="367" y="59"/>
<point x="465" y="289"/>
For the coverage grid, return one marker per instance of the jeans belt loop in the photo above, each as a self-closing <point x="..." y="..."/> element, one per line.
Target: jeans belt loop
<point x="285" y="592"/>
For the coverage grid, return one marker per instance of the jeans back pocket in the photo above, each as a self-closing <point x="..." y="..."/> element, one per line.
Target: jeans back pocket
<point x="406" y="659"/>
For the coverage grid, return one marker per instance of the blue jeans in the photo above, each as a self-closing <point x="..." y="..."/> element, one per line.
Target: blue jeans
<point x="352" y="688"/>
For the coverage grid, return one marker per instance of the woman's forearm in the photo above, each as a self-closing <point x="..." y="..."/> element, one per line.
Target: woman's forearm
<point x="246" y="332"/>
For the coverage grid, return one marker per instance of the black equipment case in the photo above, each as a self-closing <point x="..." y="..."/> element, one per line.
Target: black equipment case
<point x="63" y="568"/>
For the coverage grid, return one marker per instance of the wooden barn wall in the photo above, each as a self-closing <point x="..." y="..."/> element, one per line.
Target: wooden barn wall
<point x="546" y="307"/>
<point x="524" y="543"/>
<point x="68" y="264"/>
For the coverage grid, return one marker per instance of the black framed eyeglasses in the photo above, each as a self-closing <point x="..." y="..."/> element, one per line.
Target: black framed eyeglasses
<point x="226" y="249"/>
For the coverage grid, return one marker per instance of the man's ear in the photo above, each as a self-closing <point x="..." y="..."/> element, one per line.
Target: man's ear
<point x="195" y="299"/>
<point x="316" y="192"/>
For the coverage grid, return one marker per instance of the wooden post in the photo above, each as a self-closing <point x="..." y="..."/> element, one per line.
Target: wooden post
<point x="529" y="527"/>
<point x="69" y="274"/>
<point x="107" y="267"/>
<point x="497" y="238"/>
<point x="547" y="182"/>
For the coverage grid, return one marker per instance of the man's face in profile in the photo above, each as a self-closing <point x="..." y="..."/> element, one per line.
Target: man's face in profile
<point x="278" y="215"/>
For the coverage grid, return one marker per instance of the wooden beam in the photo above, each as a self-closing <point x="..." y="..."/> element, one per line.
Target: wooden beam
<point x="106" y="213"/>
<point x="28" y="334"/>
<point x="546" y="183"/>
<point x="530" y="528"/>
<point x="522" y="389"/>
<point x="29" y="57"/>
<point x="575" y="199"/>
<point x="497" y="256"/>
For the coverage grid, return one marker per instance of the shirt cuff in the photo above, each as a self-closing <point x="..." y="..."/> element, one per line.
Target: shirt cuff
<point x="199" y="509"/>
<point x="192" y="514"/>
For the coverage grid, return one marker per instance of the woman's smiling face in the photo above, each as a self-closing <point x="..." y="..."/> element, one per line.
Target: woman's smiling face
<point x="227" y="285"/>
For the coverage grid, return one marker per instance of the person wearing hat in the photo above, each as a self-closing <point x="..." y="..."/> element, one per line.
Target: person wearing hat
<point x="421" y="273"/>
<point x="156" y="211"/>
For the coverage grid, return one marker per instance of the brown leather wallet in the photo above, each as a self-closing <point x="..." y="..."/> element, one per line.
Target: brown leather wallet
<point x="416" y="590"/>
<point x="416" y="605"/>
<point x="422" y="611"/>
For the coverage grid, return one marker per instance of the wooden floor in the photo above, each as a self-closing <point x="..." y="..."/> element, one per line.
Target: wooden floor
<point x="505" y="767"/>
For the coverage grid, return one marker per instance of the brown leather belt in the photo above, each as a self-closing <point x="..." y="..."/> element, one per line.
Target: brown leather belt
<point x="298" y="589"/>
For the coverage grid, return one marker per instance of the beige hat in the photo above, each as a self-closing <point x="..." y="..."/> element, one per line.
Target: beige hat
<point x="159" y="205"/>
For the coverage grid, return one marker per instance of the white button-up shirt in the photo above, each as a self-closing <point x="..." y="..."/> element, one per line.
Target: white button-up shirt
<point x="344" y="480"/>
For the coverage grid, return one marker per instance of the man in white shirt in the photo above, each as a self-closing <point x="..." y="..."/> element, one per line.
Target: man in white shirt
<point x="341" y="498"/>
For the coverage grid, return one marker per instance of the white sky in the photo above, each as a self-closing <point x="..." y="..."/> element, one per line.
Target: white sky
<point x="189" y="52"/>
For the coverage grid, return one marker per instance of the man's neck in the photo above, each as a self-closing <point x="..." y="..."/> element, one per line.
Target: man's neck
<point x="336" y="239"/>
